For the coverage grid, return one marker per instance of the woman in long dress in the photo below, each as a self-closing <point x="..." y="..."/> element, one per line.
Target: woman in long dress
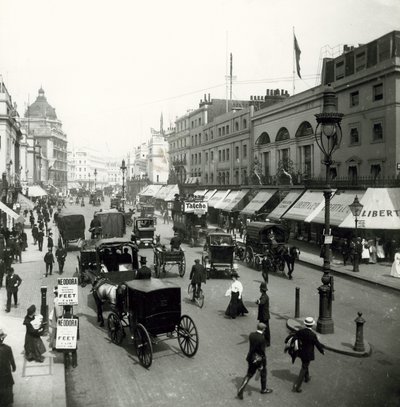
<point x="365" y="252"/>
<point x="34" y="346"/>
<point x="236" y="306"/>
<point x="380" y="252"/>
<point x="395" y="271"/>
<point x="372" y="251"/>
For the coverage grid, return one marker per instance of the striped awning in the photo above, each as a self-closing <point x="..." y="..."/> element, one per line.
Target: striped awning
<point x="8" y="211"/>
<point x="258" y="201"/>
<point x="285" y="204"/>
<point x="36" y="190"/>
<point x="233" y="201"/>
<point x="217" y="197"/>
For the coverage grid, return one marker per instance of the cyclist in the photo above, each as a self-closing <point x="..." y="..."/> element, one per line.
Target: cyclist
<point x="197" y="276"/>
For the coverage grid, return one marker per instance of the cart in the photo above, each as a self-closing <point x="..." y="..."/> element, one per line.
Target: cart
<point x="86" y="270"/>
<point x="152" y="312"/>
<point x="71" y="227"/>
<point x="163" y="258"/>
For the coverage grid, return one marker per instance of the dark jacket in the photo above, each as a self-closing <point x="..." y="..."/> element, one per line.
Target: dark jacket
<point x="49" y="258"/>
<point x="308" y="339"/>
<point x="263" y="308"/>
<point x="143" y="273"/>
<point x="61" y="254"/>
<point x="198" y="274"/>
<point x="257" y="345"/>
<point x="13" y="282"/>
<point x="7" y="364"/>
<point x="50" y="242"/>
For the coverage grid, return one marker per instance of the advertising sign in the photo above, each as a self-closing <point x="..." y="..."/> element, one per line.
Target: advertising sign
<point x="67" y="332"/>
<point x="68" y="291"/>
<point x="196" y="207"/>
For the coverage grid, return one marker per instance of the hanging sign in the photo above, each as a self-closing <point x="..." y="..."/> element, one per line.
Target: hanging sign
<point x="197" y="207"/>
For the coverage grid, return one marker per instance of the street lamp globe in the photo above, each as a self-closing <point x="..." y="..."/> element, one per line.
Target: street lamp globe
<point x="356" y="207"/>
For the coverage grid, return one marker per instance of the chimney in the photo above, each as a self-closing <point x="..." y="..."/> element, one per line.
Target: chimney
<point x="267" y="92"/>
<point x="209" y="98"/>
<point x="251" y="97"/>
<point x="205" y="97"/>
<point x="282" y="92"/>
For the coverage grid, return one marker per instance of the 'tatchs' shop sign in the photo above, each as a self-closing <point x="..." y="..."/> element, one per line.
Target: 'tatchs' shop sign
<point x="199" y="208"/>
<point x="68" y="291"/>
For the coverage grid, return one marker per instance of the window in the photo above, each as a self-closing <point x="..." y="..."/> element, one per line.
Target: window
<point x="339" y="70"/>
<point x="360" y="61"/>
<point x="375" y="170"/>
<point x="212" y="155"/>
<point x="212" y="134"/>
<point x="227" y="129"/>
<point x="237" y="153"/>
<point x="236" y="129"/>
<point x="199" y="121"/>
<point x="223" y="131"/>
<point x="219" y="132"/>
<point x="219" y="155"/>
<point x="223" y="155"/>
<point x="206" y="158"/>
<point x="244" y="151"/>
<point x="244" y="123"/>
<point x="206" y="136"/>
<point x="354" y="99"/>
<point x="378" y="92"/>
<point x="199" y="158"/>
<point x="354" y="136"/>
<point x="227" y="154"/>
<point x="377" y="132"/>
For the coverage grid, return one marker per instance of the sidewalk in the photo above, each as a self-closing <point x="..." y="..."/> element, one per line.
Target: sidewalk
<point x="36" y="384"/>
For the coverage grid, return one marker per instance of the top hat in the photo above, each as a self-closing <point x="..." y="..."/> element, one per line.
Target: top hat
<point x="309" y="321"/>
<point x="143" y="259"/>
<point x="263" y="287"/>
<point x="197" y="261"/>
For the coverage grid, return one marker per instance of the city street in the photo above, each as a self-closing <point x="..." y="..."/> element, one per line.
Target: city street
<point x="108" y="374"/>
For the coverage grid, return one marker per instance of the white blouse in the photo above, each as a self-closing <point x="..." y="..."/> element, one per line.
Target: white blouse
<point x="236" y="287"/>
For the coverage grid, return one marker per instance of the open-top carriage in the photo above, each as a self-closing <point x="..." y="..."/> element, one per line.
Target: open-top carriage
<point x="164" y="257"/>
<point x="218" y="254"/>
<point x="152" y="309"/>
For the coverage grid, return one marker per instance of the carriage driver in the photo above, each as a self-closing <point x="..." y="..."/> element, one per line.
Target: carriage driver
<point x="176" y="242"/>
<point x="197" y="276"/>
<point x="144" y="272"/>
<point x="95" y="224"/>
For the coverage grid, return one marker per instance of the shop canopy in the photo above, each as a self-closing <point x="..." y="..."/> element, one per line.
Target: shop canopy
<point x="172" y="191"/>
<point x="308" y="205"/>
<point x="285" y="204"/>
<point x="8" y="211"/>
<point x="339" y="208"/>
<point x="36" y="190"/>
<point x="235" y="202"/>
<point x="381" y="210"/>
<point x="258" y="201"/>
<point x="73" y="185"/>
<point x="200" y="193"/>
<point x="150" y="190"/>
<point x="217" y="197"/>
<point x="162" y="192"/>
<point x="209" y="194"/>
<point x="25" y="202"/>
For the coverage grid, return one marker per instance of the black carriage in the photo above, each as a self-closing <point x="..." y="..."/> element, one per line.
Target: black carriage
<point x="112" y="223"/>
<point x="115" y="259"/>
<point x="143" y="232"/>
<point x="168" y="258"/>
<point x="94" y="200"/>
<point x="71" y="227"/>
<point x="265" y="238"/>
<point x="151" y="310"/>
<point x="218" y="254"/>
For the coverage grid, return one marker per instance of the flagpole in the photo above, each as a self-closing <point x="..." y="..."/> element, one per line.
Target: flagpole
<point x="294" y="56"/>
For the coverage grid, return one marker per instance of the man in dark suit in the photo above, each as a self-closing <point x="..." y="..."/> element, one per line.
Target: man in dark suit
<point x="197" y="276"/>
<point x="7" y="364"/>
<point x="13" y="281"/>
<point x="40" y="237"/>
<point x="144" y="273"/>
<point x="256" y="359"/>
<point x="307" y="340"/>
<point x="263" y="312"/>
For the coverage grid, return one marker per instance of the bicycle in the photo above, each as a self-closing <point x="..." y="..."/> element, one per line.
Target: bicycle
<point x="199" y="297"/>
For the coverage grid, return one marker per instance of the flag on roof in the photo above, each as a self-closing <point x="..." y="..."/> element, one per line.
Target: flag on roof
<point x="297" y="52"/>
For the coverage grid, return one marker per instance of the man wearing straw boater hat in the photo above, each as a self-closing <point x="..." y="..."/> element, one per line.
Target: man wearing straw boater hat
<point x="7" y="365"/>
<point x="307" y="339"/>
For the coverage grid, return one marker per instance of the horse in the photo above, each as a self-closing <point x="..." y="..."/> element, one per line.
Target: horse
<point x="291" y="255"/>
<point x="104" y="291"/>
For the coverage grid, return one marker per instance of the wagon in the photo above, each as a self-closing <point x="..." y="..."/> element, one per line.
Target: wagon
<point x="143" y="232"/>
<point x="163" y="258"/>
<point x="218" y="254"/>
<point x="112" y="223"/>
<point x="71" y="227"/>
<point x="152" y="312"/>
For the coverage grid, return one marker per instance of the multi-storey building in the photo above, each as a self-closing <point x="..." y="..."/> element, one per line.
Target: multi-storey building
<point x="158" y="165"/>
<point x="43" y="126"/>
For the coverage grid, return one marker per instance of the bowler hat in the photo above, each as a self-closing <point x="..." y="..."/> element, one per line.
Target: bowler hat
<point x="2" y="334"/>
<point x="263" y="287"/>
<point x="309" y="321"/>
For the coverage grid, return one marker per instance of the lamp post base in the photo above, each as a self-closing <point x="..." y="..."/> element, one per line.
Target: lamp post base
<point x="325" y="322"/>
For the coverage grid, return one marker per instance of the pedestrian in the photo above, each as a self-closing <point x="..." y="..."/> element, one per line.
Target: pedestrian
<point x="2" y="271"/>
<point x="197" y="276"/>
<point x="365" y="251"/>
<point x="7" y="366"/>
<point x="144" y="272"/>
<point x="372" y="251"/>
<point x="18" y="251"/>
<point x="61" y="254"/>
<point x="24" y="241"/>
<point x="50" y="242"/>
<point x="32" y="220"/>
<point x="40" y="237"/>
<point x="256" y="359"/>
<point x="166" y="216"/>
<point x="49" y="261"/>
<point x="35" y="232"/>
<point x="265" y="266"/>
<point x="13" y="281"/>
<point x="71" y="354"/>
<point x="263" y="312"/>
<point x="307" y="340"/>
<point x="34" y="346"/>
<point x="235" y="306"/>
<point x="380" y="252"/>
<point x="55" y="313"/>
<point x="395" y="270"/>
<point x="345" y="249"/>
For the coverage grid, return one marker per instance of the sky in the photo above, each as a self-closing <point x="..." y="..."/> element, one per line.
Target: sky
<point x="112" y="68"/>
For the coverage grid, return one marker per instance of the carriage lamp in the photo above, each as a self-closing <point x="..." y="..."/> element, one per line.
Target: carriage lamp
<point x="328" y="135"/>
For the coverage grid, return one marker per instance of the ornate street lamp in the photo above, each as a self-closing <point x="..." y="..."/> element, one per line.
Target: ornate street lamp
<point x="356" y="207"/>
<point x="123" y="169"/>
<point x="95" y="178"/>
<point x="328" y="135"/>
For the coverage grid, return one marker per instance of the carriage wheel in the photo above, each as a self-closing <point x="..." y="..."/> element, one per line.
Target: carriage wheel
<point x="200" y="299"/>
<point x="190" y="289"/>
<point x="144" y="349"/>
<point x="115" y="328"/>
<point x="182" y="266"/>
<point x="257" y="263"/>
<point x="188" y="336"/>
<point x="249" y="256"/>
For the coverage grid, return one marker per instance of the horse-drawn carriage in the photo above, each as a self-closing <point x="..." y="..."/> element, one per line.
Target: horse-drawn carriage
<point x="112" y="223"/>
<point x="143" y="232"/>
<point x="116" y="259"/>
<point x="264" y="239"/>
<point x="152" y="309"/>
<point x="218" y="254"/>
<point x="71" y="227"/>
<point x="164" y="257"/>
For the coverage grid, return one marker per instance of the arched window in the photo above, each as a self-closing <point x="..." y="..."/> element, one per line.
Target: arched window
<point x="283" y="134"/>
<point x="263" y="139"/>
<point x="305" y="129"/>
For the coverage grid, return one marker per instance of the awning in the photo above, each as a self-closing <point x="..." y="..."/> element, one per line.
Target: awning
<point x="192" y="180"/>
<point x="235" y="202"/>
<point x="310" y="204"/>
<point x="172" y="191"/>
<point x="339" y="208"/>
<point x="381" y="210"/>
<point x="150" y="190"/>
<point x="8" y="211"/>
<point x="36" y="190"/>
<point x="73" y="185"/>
<point x="25" y="202"/>
<point x="258" y="201"/>
<point x="209" y="194"/>
<point x="217" y="197"/>
<point x="200" y="193"/>
<point x="285" y="204"/>
<point x="162" y="192"/>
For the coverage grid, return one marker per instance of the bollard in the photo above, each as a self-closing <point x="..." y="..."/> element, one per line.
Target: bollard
<point x="43" y="307"/>
<point x="297" y="303"/>
<point x="359" y="345"/>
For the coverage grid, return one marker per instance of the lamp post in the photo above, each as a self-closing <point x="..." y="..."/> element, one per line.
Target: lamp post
<point x="89" y="181"/>
<point x="123" y="169"/>
<point x="95" y="178"/>
<point x="356" y="208"/>
<point x="328" y="135"/>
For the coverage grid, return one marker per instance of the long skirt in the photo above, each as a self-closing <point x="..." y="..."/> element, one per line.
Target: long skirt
<point x="236" y="306"/>
<point x="34" y="348"/>
<point x="6" y="396"/>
